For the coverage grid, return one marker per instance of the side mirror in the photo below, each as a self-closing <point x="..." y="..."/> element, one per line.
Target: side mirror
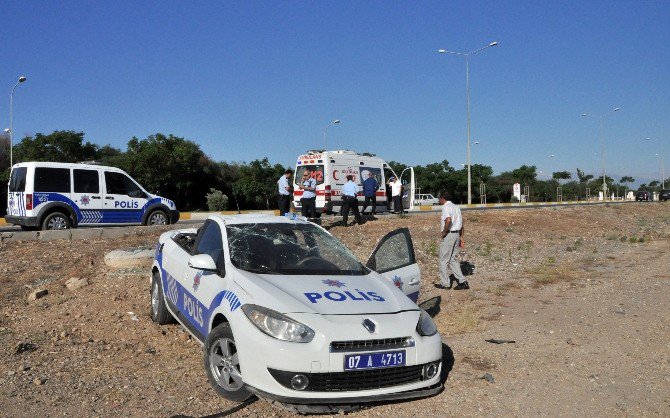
<point x="203" y="262"/>
<point x="431" y="306"/>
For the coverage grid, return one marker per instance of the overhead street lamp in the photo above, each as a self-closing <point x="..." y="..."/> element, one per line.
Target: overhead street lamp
<point x="662" y="172"/>
<point x="602" y="143"/>
<point x="467" y="88"/>
<point x="11" y="121"/>
<point x="335" y="122"/>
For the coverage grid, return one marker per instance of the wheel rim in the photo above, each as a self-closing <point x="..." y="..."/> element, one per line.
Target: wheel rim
<point x="157" y="218"/>
<point x="225" y="365"/>
<point x="154" y="297"/>
<point x="57" y="222"/>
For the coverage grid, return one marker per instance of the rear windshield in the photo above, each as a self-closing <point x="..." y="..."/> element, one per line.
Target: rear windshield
<point x="291" y="249"/>
<point x="316" y="169"/>
<point x="52" y="180"/>
<point x="17" y="182"/>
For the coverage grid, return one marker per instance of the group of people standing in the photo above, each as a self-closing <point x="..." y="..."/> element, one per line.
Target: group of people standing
<point x="349" y="195"/>
<point x="451" y="220"/>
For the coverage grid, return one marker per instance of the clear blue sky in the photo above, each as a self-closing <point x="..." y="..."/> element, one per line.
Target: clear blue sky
<point x="250" y="79"/>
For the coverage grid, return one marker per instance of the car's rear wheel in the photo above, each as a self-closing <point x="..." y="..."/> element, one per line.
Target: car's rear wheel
<point x="159" y="312"/>
<point x="223" y="366"/>
<point x="158" y="217"/>
<point x="56" y="220"/>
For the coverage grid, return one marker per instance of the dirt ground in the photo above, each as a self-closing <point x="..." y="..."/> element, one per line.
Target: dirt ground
<point x="583" y="293"/>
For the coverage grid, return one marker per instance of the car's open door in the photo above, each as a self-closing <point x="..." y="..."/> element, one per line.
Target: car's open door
<point x="408" y="187"/>
<point x="394" y="259"/>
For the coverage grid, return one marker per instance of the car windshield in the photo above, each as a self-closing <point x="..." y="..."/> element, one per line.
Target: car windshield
<point x="288" y="248"/>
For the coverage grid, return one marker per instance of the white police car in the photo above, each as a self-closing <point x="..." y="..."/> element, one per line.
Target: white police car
<point x="286" y="312"/>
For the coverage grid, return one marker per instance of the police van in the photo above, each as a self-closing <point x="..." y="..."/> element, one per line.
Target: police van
<point x="330" y="170"/>
<point x="47" y="195"/>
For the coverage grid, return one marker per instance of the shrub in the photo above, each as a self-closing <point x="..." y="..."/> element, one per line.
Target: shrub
<point x="216" y="201"/>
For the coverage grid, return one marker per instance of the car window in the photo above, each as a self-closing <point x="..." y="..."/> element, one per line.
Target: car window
<point x="393" y="253"/>
<point x="291" y="249"/>
<point x="86" y="181"/>
<point x="119" y="183"/>
<point x="210" y="242"/>
<point x="17" y="183"/>
<point x="317" y="172"/>
<point x="52" y="180"/>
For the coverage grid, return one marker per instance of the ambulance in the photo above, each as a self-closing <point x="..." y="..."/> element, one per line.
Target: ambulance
<point x="331" y="168"/>
<point x="49" y="195"/>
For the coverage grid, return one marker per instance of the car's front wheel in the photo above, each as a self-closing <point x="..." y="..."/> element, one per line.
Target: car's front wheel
<point x="222" y="364"/>
<point x="159" y="312"/>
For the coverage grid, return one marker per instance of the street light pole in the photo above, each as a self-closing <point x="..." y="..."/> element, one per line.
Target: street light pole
<point x="11" y="121"/>
<point x="467" y="89"/>
<point x="336" y="121"/>
<point x="602" y="145"/>
<point x="662" y="172"/>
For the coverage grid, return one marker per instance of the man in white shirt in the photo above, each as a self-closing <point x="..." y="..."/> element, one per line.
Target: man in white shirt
<point x="451" y="230"/>
<point x="396" y="194"/>
<point x="308" y="200"/>
<point x="284" y="189"/>
<point x="350" y="200"/>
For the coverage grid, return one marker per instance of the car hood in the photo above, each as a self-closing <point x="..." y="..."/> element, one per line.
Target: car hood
<point x="325" y="295"/>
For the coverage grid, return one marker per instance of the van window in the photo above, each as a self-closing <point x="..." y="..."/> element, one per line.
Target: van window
<point x="118" y="183"/>
<point x="317" y="172"/>
<point x="17" y="183"/>
<point x="52" y="179"/>
<point x="86" y="181"/>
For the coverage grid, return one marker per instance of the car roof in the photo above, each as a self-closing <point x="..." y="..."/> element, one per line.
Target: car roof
<point x="255" y="218"/>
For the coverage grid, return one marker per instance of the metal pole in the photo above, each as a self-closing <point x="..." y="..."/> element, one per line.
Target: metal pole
<point x="602" y="153"/>
<point x="467" y="87"/>
<point x="11" y="127"/>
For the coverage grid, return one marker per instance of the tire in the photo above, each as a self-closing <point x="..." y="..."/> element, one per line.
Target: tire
<point x="158" y="217"/>
<point x="222" y="364"/>
<point x="159" y="312"/>
<point x="56" y="221"/>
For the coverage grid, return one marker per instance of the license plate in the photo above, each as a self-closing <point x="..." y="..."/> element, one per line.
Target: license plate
<point x="374" y="360"/>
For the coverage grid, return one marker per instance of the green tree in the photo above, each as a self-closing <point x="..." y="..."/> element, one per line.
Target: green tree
<point x="170" y="166"/>
<point x="561" y="175"/>
<point x="59" y="146"/>
<point x="627" y="179"/>
<point x="257" y="183"/>
<point x="583" y="178"/>
<point x="525" y="174"/>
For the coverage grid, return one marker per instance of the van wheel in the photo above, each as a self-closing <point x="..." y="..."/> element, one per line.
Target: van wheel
<point x="56" y="220"/>
<point x="158" y="217"/>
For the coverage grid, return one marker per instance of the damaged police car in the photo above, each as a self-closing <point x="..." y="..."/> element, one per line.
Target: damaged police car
<point x="286" y="312"/>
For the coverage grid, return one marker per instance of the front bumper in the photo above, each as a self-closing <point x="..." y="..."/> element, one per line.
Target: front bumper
<point x="258" y="354"/>
<point x="21" y="220"/>
<point x="409" y="394"/>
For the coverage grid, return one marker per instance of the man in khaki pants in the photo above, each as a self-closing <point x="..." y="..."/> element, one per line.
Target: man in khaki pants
<point x="451" y="229"/>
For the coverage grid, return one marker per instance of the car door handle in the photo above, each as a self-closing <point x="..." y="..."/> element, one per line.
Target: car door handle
<point x="109" y="198"/>
<point x="414" y="281"/>
<point x="95" y="197"/>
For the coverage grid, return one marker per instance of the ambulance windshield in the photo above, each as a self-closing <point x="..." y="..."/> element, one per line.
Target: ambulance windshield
<point x="316" y="173"/>
<point x="288" y="248"/>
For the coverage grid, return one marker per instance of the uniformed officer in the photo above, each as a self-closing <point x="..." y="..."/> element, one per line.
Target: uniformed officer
<point x="370" y="187"/>
<point x="350" y="201"/>
<point x="451" y="230"/>
<point x="285" y="189"/>
<point x="308" y="200"/>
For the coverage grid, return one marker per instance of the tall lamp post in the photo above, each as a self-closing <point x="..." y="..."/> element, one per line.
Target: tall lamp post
<point x="467" y="88"/>
<point x="662" y="172"/>
<point x="11" y="121"/>
<point x="602" y="144"/>
<point x="335" y="122"/>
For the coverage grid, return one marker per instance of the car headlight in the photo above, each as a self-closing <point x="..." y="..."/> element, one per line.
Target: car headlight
<point x="426" y="326"/>
<point x="277" y="325"/>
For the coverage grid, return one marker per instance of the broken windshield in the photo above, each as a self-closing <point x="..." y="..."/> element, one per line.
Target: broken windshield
<point x="288" y="248"/>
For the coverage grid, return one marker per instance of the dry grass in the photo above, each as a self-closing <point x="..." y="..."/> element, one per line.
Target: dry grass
<point x="545" y="274"/>
<point x="464" y="319"/>
<point x="503" y="289"/>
